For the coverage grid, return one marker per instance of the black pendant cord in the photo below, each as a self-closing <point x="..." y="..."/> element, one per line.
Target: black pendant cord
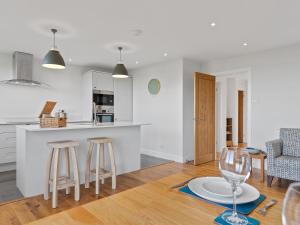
<point x="54" y="31"/>
<point x="120" y="49"/>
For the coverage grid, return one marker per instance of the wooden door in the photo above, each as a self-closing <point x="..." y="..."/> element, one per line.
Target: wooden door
<point x="204" y="118"/>
<point x="240" y="116"/>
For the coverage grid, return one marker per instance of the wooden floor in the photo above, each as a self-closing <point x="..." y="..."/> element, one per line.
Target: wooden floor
<point x="31" y="209"/>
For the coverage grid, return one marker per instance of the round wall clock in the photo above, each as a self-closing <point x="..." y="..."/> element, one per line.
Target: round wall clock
<point x="154" y="86"/>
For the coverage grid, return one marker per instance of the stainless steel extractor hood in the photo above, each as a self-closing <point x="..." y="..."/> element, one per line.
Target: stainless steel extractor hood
<point x="22" y="70"/>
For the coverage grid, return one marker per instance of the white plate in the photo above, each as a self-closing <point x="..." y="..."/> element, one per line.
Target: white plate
<point x="249" y="194"/>
<point x="220" y="188"/>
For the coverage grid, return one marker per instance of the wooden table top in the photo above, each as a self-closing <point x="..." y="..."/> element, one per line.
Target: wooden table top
<point x="261" y="155"/>
<point x="155" y="203"/>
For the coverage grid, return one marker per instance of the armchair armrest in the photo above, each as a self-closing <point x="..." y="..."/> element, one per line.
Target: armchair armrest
<point x="274" y="148"/>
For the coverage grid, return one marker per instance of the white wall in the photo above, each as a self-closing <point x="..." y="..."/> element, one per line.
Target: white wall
<point x="171" y="112"/>
<point x="163" y="138"/>
<point x="189" y="69"/>
<point x="27" y="102"/>
<point x="275" y="80"/>
<point x="221" y="113"/>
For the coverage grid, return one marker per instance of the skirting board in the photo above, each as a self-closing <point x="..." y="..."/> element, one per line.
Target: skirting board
<point x="162" y="155"/>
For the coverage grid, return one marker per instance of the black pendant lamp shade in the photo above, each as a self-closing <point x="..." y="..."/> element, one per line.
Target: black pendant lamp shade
<point x="53" y="59"/>
<point x="120" y="70"/>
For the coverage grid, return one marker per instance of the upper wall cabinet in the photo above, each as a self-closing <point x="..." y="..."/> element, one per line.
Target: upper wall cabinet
<point x="123" y="99"/>
<point x="102" y="81"/>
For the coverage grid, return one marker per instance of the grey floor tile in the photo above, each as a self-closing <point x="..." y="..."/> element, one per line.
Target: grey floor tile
<point x="8" y="188"/>
<point x="148" y="161"/>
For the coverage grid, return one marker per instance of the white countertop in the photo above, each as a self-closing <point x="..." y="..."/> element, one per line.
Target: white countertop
<point x="31" y="120"/>
<point x="83" y="125"/>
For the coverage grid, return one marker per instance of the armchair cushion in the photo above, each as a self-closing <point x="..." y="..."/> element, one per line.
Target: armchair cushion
<point x="291" y="141"/>
<point x="287" y="167"/>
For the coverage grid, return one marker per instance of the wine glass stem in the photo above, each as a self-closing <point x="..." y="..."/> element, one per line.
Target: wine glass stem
<point x="234" y="213"/>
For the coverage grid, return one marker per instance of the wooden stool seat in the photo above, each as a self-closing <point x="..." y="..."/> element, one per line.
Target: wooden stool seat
<point x="63" y="144"/>
<point x="58" y="182"/>
<point x="99" y="172"/>
<point x="100" y="140"/>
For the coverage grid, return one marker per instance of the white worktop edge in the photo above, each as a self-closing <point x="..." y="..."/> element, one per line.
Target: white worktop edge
<point x="81" y="126"/>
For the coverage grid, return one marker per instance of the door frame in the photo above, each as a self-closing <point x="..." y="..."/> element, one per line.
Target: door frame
<point x="221" y="137"/>
<point x="241" y="116"/>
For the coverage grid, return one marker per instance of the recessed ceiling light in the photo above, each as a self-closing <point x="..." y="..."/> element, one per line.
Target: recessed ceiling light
<point x="137" y="32"/>
<point x="137" y="62"/>
<point x="213" y="24"/>
<point x="165" y="54"/>
<point x="245" y="44"/>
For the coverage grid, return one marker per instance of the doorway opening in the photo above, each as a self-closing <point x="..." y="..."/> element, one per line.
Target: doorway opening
<point x="233" y="109"/>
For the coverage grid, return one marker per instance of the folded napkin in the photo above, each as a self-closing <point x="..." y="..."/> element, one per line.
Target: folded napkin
<point x="245" y="208"/>
<point x="220" y="221"/>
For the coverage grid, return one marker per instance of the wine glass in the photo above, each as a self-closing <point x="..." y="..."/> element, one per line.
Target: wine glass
<point x="235" y="167"/>
<point x="291" y="205"/>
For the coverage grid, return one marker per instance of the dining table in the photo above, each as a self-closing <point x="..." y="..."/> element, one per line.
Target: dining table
<point x="158" y="203"/>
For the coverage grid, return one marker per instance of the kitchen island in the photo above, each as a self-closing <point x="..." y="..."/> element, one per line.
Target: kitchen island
<point x="32" y="150"/>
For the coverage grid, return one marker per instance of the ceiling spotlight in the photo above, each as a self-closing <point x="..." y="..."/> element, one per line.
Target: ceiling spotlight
<point x="137" y="32"/>
<point x="137" y="62"/>
<point x="213" y="24"/>
<point x="245" y="44"/>
<point x="165" y="54"/>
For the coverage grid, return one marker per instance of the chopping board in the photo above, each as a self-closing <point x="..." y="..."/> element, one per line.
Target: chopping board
<point x="48" y="108"/>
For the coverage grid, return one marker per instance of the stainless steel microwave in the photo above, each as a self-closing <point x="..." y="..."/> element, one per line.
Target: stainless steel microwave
<point x="104" y="98"/>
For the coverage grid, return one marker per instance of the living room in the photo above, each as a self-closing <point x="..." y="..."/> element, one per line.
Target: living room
<point x="150" y="112"/>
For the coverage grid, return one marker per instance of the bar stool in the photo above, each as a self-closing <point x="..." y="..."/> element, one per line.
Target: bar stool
<point x="100" y="172"/>
<point x="61" y="182"/>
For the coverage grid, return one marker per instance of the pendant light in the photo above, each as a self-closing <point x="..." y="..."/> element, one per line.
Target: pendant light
<point x="120" y="70"/>
<point x="53" y="59"/>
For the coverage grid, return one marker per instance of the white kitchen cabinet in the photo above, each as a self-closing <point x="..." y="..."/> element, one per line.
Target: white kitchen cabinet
<point x="102" y="81"/>
<point x="93" y="80"/>
<point x="123" y="99"/>
<point x="122" y="89"/>
<point x="7" y="147"/>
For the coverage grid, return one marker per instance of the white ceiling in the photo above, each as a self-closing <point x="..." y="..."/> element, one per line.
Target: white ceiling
<point x="179" y="27"/>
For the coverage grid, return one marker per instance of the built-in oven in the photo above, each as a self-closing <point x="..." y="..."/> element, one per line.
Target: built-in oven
<point x="103" y="97"/>
<point x="105" y="117"/>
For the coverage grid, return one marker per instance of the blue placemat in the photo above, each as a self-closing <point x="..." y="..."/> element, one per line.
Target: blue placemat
<point x="241" y="208"/>
<point x="220" y="221"/>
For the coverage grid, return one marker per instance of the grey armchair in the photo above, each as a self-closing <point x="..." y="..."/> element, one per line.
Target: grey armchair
<point x="283" y="158"/>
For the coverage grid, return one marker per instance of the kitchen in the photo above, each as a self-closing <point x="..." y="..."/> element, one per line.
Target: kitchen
<point x="94" y="98"/>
